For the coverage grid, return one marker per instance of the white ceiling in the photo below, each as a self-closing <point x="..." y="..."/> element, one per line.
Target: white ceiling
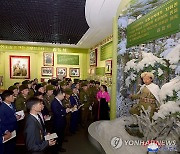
<point x="99" y="16"/>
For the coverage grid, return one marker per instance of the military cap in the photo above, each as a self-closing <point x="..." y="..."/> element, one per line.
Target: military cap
<point x="149" y="74"/>
<point x="38" y="86"/>
<point x="44" y="83"/>
<point x="76" y="81"/>
<point x="22" y="87"/>
<point x="68" y="91"/>
<point x="26" y="82"/>
<point x="49" y="87"/>
<point x="11" y="88"/>
<point x="83" y="84"/>
<point x="63" y="83"/>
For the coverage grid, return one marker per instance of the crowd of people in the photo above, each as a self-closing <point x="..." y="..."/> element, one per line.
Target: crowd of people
<point x="57" y="106"/>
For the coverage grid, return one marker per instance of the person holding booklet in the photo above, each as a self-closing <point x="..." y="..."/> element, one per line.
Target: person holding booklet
<point x="8" y="120"/>
<point x="34" y="132"/>
<point x="3" y="138"/>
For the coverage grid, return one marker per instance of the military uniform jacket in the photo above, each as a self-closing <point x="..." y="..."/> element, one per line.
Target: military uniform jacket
<point x="84" y="98"/>
<point x="21" y="103"/>
<point x="47" y="101"/>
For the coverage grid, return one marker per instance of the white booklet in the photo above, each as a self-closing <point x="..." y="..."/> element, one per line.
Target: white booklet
<point x="80" y="106"/>
<point x="48" y="118"/>
<point x="21" y="113"/>
<point x="13" y="134"/>
<point x="50" y="136"/>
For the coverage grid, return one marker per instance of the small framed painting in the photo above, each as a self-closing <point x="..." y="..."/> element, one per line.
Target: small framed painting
<point x="61" y="71"/>
<point x="48" y="58"/>
<point x="108" y="67"/>
<point x="47" y="71"/>
<point x="19" y="67"/>
<point x="93" y="58"/>
<point x="74" y="72"/>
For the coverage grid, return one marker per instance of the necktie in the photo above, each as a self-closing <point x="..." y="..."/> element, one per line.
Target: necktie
<point x="41" y="122"/>
<point x="11" y="106"/>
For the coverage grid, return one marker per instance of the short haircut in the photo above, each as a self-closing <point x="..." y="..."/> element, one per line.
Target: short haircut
<point x="6" y="94"/>
<point x="31" y="102"/>
<point x="16" y="83"/>
<point x="57" y="92"/>
<point x="38" y="94"/>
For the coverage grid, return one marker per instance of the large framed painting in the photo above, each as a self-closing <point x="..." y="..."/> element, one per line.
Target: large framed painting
<point x="74" y="72"/>
<point x="93" y="58"/>
<point x="108" y="67"/>
<point x="19" y="67"/>
<point x="61" y="71"/>
<point x="47" y="71"/>
<point x="48" y="58"/>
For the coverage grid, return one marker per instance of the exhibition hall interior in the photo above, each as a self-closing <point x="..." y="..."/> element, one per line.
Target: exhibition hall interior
<point x="90" y="76"/>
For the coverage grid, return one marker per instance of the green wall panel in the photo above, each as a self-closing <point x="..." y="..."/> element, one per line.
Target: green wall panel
<point x="68" y="59"/>
<point x="106" y="51"/>
<point x="162" y="21"/>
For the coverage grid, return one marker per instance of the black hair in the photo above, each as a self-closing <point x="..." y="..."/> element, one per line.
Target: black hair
<point x="104" y="87"/>
<point x="38" y="94"/>
<point x="57" y="92"/>
<point x="16" y="83"/>
<point x="31" y="102"/>
<point x="6" y="94"/>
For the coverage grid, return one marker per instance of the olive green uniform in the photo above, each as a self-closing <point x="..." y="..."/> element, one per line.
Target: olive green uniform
<point x="66" y="104"/>
<point x="84" y="99"/>
<point x="47" y="102"/>
<point x="21" y="103"/>
<point x="146" y="99"/>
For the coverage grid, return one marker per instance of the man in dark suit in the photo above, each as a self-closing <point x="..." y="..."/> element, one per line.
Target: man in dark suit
<point x="8" y="120"/>
<point x="59" y="117"/>
<point x="3" y="137"/>
<point x="34" y="132"/>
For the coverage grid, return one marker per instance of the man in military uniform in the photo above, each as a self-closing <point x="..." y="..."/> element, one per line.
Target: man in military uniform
<point x="84" y="99"/>
<point x="17" y="69"/>
<point x="29" y="85"/>
<point x="48" y="97"/>
<point x="63" y="85"/>
<point x="22" y="98"/>
<point x="24" y="70"/>
<point x="40" y="88"/>
<point x="148" y="95"/>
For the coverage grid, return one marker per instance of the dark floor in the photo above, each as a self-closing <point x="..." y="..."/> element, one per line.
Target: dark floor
<point x="77" y="144"/>
<point x="80" y="144"/>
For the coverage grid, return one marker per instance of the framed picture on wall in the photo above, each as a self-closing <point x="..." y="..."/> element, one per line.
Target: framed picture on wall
<point x="48" y="58"/>
<point x="93" y="58"/>
<point x="19" y="67"/>
<point x="108" y="67"/>
<point x="47" y="71"/>
<point x="74" y="72"/>
<point x="61" y="71"/>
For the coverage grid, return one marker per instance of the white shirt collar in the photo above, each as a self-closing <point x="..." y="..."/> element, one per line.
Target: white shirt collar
<point x="36" y="116"/>
<point x="7" y="104"/>
<point x="59" y="100"/>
